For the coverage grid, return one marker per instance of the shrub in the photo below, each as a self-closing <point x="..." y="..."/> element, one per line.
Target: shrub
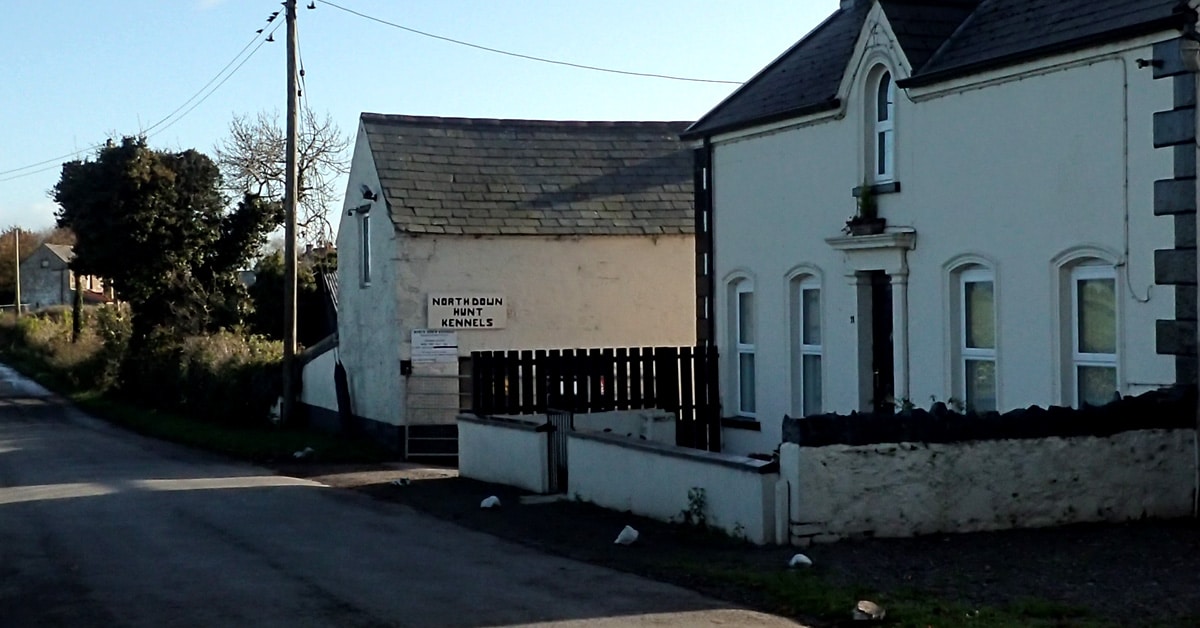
<point x="231" y="378"/>
<point x="227" y="377"/>
<point x="1168" y="408"/>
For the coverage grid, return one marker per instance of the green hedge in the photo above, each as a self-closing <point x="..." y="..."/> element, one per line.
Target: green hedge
<point x="228" y="378"/>
<point x="1168" y="408"/>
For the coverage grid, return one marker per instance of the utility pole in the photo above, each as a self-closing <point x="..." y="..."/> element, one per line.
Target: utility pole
<point x="17" y="260"/>
<point x="289" y="237"/>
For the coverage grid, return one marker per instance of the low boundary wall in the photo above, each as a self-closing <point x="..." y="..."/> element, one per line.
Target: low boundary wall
<point x="905" y="489"/>
<point x="503" y="451"/>
<point x="741" y="496"/>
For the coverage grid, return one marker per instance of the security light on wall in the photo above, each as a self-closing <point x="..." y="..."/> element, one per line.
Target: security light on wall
<point x="362" y="210"/>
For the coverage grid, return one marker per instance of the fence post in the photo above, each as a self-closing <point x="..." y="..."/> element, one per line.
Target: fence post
<point x="528" y="405"/>
<point x="636" y="396"/>
<point x="512" y="383"/>
<point x="686" y="432"/>
<point x="712" y="396"/>
<point x="540" y="388"/>
<point x="666" y="379"/>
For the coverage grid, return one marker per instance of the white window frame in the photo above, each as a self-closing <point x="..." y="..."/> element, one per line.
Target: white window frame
<point x="967" y="354"/>
<point x="802" y="348"/>
<point x="365" y="249"/>
<point x="1083" y="272"/>
<point x="744" y="286"/>
<point x="884" y="151"/>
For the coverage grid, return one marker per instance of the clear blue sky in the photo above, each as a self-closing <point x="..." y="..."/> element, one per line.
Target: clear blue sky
<point x="76" y="71"/>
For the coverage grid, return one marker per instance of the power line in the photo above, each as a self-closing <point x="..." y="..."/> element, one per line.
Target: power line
<point x="217" y="86"/>
<point x="55" y="162"/>
<point x="525" y="56"/>
<point x="210" y="82"/>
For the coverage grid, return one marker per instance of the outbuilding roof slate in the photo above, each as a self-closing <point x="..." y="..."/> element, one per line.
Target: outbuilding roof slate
<point x="475" y="176"/>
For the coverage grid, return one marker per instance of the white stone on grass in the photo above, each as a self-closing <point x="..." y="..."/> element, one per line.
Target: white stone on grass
<point x="490" y="502"/>
<point x="866" y="610"/>
<point x="800" y="560"/>
<point x="627" y="536"/>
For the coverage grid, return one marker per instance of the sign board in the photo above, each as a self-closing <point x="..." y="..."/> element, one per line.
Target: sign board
<point x="467" y="311"/>
<point x="434" y="346"/>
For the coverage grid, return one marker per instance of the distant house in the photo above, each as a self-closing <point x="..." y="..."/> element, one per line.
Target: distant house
<point x="1024" y="174"/>
<point x="46" y="279"/>
<point x="484" y="234"/>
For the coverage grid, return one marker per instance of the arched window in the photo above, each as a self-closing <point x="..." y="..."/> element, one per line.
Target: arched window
<point x="1089" y="326"/>
<point x="973" y="332"/>
<point x="807" y="346"/>
<point x="883" y="120"/>
<point x="742" y="341"/>
<point x="977" y="338"/>
<point x="1093" y="334"/>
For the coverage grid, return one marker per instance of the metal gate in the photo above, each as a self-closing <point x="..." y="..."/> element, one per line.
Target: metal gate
<point x="558" y="423"/>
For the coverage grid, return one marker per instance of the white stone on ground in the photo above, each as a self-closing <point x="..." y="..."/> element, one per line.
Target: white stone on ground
<point x="627" y="536"/>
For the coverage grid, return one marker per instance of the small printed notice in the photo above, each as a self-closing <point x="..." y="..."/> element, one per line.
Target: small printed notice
<point x="467" y="311"/>
<point x="433" y="346"/>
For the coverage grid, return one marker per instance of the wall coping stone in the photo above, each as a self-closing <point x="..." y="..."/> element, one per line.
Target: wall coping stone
<point x="741" y="463"/>
<point x="501" y="422"/>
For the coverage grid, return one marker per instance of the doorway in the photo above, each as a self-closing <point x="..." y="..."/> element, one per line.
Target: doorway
<point x="883" y="379"/>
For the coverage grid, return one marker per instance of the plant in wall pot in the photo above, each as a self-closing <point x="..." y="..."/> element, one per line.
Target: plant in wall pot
<point x="866" y="220"/>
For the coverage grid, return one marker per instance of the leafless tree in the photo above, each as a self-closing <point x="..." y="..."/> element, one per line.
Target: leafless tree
<point x="253" y="159"/>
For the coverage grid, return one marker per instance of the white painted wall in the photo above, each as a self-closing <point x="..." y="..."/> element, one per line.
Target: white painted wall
<point x="629" y="475"/>
<point x="905" y="489"/>
<point x="368" y="329"/>
<point x="1017" y="170"/>
<point x="317" y="388"/>
<point x="503" y="452"/>
<point x="655" y="426"/>
<point x="562" y="292"/>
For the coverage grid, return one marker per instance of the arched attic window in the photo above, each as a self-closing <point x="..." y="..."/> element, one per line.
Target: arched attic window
<point x="882" y="126"/>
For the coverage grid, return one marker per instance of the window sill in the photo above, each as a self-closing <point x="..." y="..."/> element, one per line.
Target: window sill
<point x="741" y="423"/>
<point x="891" y="187"/>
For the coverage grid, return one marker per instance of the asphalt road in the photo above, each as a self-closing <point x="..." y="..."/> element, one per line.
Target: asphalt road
<point x="100" y="527"/>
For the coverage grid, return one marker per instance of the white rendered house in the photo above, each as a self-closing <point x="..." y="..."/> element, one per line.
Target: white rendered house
<point x="1034" y="163"/>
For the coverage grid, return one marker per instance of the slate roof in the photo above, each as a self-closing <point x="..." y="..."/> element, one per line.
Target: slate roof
<point x="62" y="251"/>
<point x="1000" y="32"/>
<point x="922" y="26"/>
<point x="801" y="81"/>
<point x="471" y="176"/>
<point x="942" y="39"/>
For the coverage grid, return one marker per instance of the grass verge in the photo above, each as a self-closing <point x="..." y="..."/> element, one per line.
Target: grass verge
<point x="808" y="594"/>
<point x="254" y="444"/>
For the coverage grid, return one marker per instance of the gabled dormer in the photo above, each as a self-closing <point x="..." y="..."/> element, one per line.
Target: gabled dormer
<point x="930" y="41"/>
<point x="814" y="77"/>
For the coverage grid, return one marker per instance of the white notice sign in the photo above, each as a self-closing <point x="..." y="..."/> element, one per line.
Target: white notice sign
<point x="467" y="311"/>
<point x="434" y="346"/>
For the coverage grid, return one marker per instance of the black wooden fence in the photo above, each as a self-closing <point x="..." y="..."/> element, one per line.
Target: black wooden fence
<point x="680" y="380"/>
